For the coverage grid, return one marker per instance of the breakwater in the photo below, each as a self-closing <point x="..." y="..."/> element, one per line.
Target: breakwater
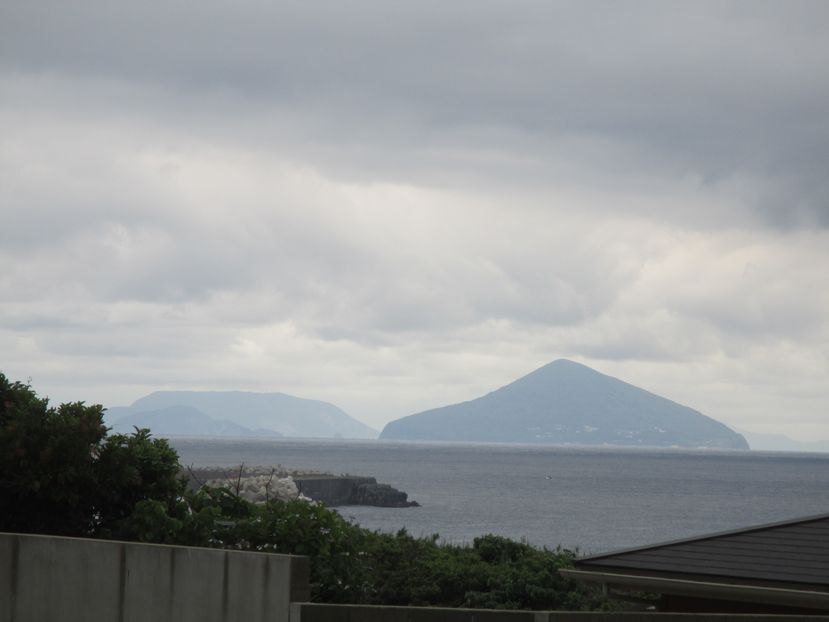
<point x="258" y="484"/>
<point x="335" y="490"/>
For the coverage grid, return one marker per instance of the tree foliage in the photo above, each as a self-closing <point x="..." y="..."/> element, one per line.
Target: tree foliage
<point x="47" y="462"/>
<point x="494" y="573"/>
<point x="62" y="473"/>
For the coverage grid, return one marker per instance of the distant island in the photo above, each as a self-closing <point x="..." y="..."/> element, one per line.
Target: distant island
<point x="568" y="403"/>
<point x="236" y="414"/>
<point x="781" y="442"/>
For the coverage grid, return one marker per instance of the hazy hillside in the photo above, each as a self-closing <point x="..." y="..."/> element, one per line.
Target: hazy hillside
<point x="182" y="421"/>
<point x="238" y="413"/>
<point x="565" y="402"/>
<point x="781" y="442"/>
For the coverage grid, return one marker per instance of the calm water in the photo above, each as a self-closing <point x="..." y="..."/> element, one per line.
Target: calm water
<point x="593" y="499"/>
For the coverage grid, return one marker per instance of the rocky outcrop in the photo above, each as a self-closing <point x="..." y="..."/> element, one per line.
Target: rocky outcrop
<point x="260" y="484"/>
<point x="381" y="495"/>
<point x="334" y="490"/>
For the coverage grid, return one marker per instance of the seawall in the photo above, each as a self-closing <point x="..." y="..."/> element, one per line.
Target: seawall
<point x="334" y="490"/>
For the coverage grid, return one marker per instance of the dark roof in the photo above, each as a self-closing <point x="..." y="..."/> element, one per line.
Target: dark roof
<point x="794" y="553"/>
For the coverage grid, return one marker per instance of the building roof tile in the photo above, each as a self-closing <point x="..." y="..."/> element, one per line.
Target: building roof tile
<point x="789" y="552"/>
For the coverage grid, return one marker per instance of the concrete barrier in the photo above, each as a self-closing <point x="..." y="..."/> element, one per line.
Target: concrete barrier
<point x="314" y="612"/>
<point x="48" y="578"/>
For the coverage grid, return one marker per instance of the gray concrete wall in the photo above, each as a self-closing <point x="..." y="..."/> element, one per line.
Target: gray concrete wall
<point x="47" y="578"/>
<point x="313" y="612"/>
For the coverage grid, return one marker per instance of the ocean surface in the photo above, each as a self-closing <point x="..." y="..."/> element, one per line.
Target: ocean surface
<point x="594" y="500"/>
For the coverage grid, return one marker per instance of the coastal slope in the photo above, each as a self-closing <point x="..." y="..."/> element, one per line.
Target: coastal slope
<point x="238" y="413"/>
<point x="568" y="403"/>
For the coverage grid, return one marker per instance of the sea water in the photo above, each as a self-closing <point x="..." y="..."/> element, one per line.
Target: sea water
<point x="592" y="499"/>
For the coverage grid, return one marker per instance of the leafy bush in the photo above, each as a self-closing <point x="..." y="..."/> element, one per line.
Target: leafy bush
<point x="61" y="474"/>
<point x="495" y="573"/>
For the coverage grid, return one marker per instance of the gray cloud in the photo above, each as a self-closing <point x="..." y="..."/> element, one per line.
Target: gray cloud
<point x="615" y="94"/>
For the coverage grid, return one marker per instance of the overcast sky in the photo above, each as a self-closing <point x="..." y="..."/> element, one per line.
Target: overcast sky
<point x="394" y="206"/>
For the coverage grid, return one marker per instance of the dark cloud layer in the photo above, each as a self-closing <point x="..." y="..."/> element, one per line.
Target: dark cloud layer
<point x="725" y="93"/>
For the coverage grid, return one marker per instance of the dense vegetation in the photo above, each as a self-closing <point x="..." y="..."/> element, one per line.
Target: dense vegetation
<point x="62" y="473"/>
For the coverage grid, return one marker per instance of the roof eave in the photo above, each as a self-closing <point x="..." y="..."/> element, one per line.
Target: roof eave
<point x="805" y="599"/>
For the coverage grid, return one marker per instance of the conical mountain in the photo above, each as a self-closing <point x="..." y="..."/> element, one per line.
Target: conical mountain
<point x="568" y="403"/>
